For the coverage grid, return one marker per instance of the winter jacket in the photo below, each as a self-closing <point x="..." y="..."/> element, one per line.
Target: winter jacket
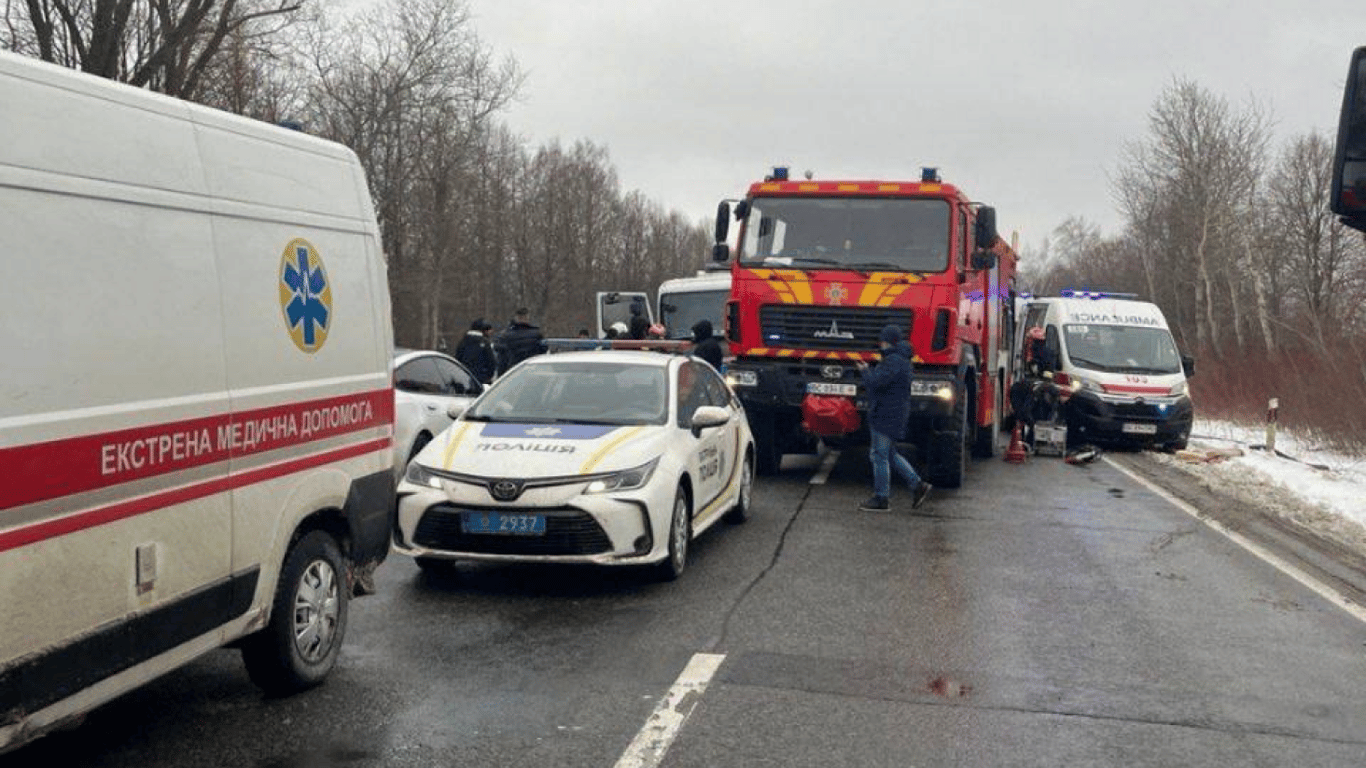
<point x="516" y="343"/>
<point x="476" y="352"/>
<point x="889" y="391"/>
<point x="706" y="345"/>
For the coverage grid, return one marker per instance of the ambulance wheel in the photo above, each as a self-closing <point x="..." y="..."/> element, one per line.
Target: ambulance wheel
<point x="680" y="536"/>
<point x="768" y="456"/>
<point x="300" y="645"/>
<point x="740" y="512"/>
<point x="949" y="461"/>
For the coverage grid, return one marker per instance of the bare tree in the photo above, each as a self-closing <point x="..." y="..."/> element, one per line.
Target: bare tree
<point x="165" y="45"/>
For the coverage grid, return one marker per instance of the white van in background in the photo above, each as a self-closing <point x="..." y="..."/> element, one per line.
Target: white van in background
<point x="685" y="300"/>
<point x="1118" y="356"/>
<point x="196" y="412"/>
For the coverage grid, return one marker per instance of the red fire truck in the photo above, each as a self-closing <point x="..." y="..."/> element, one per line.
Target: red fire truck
<point x="821" y="266"/>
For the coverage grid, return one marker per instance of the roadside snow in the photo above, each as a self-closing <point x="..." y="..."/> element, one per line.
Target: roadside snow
<point x="1319" y="489"/>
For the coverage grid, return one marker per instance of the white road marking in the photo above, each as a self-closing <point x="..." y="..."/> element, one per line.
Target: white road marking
<point x="653" y="741"/>
<point x="827" y="464"/>
<point x="1323" y="590"/>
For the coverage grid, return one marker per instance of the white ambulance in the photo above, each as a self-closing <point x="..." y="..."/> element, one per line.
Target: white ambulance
<point x="1118" y="356"/>
<point x="196" y="404"/>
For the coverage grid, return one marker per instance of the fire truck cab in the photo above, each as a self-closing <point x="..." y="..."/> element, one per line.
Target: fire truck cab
<point x="820" y="267"/>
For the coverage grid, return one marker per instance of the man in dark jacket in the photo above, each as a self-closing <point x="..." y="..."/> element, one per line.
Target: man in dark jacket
<point x="705" y="343"/>
<point x="476" y="351"/>
<point x="518" y="341"/>
<point x="889" y="404"/>
<point x="640" y="324"/>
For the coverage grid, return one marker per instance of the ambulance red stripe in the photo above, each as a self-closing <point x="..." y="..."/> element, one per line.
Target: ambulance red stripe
<point x="57" y="468"/>
<point x="50" y="529"/>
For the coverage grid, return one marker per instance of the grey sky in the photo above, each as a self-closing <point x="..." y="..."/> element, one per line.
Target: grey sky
<point x="1025" y="104"/>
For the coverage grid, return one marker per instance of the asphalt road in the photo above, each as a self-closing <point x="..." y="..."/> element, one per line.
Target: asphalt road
<point x="1044" y="615"/>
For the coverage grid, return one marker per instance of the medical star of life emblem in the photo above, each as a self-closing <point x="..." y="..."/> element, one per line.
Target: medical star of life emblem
<point x="542" y="432"/>
<point x="836" y="294"/>
<point x="305" y="295"/>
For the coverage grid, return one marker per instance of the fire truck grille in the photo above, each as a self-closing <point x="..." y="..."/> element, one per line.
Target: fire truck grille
<point x="835" y="328"/>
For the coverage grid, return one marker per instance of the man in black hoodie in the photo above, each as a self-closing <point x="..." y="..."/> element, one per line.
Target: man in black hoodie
<point x="705" y="344"/>
<point x="889" y="405"/>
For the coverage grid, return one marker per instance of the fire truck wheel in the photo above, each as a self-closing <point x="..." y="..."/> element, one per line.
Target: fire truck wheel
<point x="949" y="462"/>
<point x="989" y="436"/>
<point x="768" y="456"/>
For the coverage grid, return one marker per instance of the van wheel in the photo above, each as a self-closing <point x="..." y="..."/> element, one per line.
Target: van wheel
<point x="680" y="535"/>
<point x="300" y="645"/>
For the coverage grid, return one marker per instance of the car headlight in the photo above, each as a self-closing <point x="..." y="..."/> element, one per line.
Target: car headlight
<point x="742" y="378"/>
<point x="625" y="480"/>
<point x="418" y="475"/>
<point x="931" y="388"/>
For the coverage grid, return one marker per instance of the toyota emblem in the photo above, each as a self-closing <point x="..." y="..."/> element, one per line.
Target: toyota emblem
<point x="505" y="490"/>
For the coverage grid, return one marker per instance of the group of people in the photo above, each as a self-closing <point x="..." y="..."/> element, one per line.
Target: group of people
<point x="488" y="356"/>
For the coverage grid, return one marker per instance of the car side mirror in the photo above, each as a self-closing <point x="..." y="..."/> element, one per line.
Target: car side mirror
<point x="707" y="417"/>
<point x="456" y="410"/>
<point x="1188" y="365"/>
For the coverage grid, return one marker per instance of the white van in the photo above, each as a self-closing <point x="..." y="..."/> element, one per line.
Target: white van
<point x="1118" y="356"/>
<point x="196" y="405"/>
<point x="685" y="300"/>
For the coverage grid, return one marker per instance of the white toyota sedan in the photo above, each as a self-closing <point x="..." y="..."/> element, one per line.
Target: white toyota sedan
<point x="609" y="457"/>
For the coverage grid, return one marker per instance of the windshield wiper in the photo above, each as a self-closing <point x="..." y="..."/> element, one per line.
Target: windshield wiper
<point x="1092" y="364"/>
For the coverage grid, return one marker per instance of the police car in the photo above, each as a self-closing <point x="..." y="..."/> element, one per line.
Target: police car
<point x="613" y="457"/>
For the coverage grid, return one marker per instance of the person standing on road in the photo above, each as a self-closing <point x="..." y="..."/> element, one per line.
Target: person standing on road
<point x="476" y="351"/>
<point x="640" y="324"/>
<point x="705" y="344"/>
<point x="889" y="405"/>
<point x="518" y="341"/>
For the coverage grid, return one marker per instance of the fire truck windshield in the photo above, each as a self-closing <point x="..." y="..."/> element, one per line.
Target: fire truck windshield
<point x="884" y="233"/>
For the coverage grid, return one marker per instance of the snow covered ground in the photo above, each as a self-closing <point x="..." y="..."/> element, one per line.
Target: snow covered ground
<point x="1320" y="489"/>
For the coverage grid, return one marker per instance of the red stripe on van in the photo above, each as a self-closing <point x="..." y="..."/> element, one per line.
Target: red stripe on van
<point x="57" y="468"/>
<point x="51" y="529"/>
<point x="1136" y="390"/>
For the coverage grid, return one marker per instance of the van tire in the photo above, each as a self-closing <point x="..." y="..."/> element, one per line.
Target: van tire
<point x="297" y="649"/>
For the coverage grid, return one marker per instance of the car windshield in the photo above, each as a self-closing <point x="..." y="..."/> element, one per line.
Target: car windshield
<point x="1122" y="349"/>
<point x="576" y="392"/>
<point x="909" y="234"/>
<point x="680" y="311"/>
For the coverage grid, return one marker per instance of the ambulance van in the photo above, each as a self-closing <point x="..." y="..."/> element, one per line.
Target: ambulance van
<point x="1118" y="357"/>
<point x="196" y="399"/>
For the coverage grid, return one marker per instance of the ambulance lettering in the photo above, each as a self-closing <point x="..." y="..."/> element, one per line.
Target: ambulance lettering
<point x="1108" y="319"/>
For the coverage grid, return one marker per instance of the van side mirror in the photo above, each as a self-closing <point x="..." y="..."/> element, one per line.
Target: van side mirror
<point x="1188" y="365"/>
<point x="985" y="235"/>
<point x="722" y="221"/>
<point x="1347" y="196"/>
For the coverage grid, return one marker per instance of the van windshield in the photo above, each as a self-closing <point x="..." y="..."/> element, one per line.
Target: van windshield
<point x="680" y="311"/>
<point x="1121" y="349"/>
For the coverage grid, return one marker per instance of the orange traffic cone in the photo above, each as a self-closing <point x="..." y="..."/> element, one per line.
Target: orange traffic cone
<point x="1016" y="453"/>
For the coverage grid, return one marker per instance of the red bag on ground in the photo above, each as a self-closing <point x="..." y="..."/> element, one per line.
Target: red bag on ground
<point x="829" y="415"/>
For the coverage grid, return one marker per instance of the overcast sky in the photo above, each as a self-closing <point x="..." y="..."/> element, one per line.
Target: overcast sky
<point x="1024" y="104"/>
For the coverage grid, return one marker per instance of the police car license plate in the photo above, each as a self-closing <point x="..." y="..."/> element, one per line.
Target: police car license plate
<point x="1131" y="428"/>
<point x="502" y="523"/>
<point x="830" y="388"/>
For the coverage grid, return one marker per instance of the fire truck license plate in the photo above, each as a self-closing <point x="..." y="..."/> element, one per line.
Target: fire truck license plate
<point x="1130" y="428"/>
<point x="830" y="388"/>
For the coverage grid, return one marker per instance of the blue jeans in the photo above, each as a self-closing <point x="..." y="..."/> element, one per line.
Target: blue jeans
<point x="884" y="455"/>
